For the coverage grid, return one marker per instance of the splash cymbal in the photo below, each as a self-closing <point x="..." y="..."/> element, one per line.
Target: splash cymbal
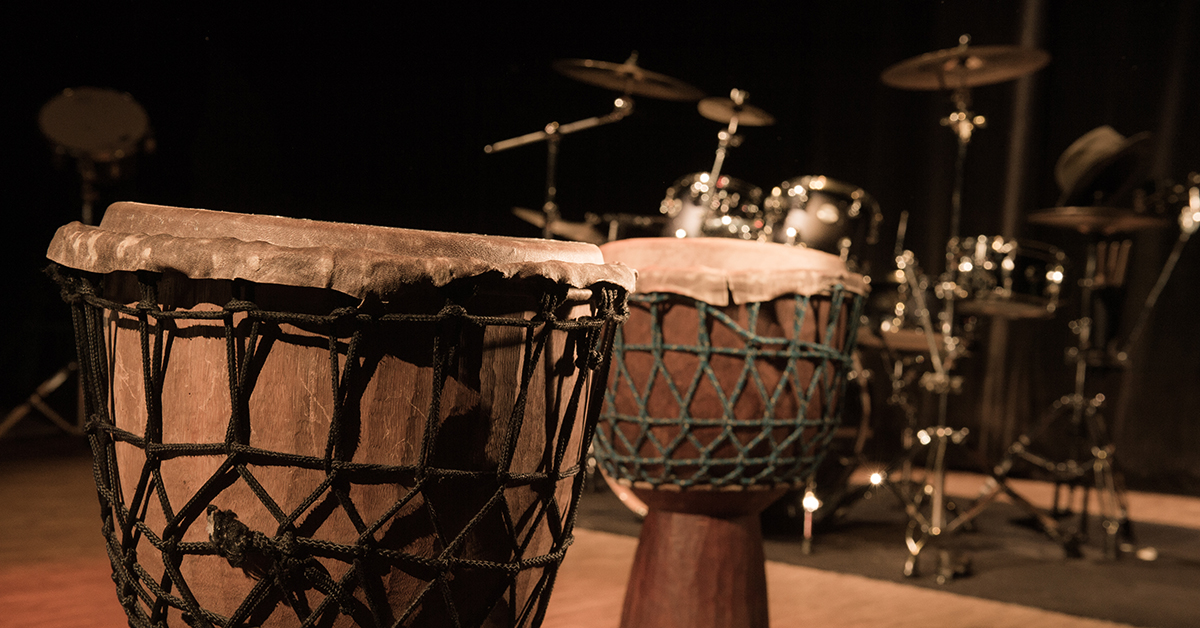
<point x="627" y="78"/>
<point x="720" y="109"/>
<point x="965" y="66"/>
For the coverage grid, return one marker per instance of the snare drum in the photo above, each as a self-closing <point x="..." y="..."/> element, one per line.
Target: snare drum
<point x="730" y="209"/>
<point x="1007" y="278"/>
<point x="297" y="422"/>
<point x="827" y="215"/>
<point x="727" y="387"/>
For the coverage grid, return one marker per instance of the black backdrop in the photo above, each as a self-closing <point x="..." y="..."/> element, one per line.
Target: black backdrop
<point x="379" y="115"/>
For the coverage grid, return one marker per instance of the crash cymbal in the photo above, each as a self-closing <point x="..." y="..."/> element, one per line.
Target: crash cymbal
<point x="965" y="66"/>
<point x="1102" y="220"/>
<point x="577" y="231"/>
<point x="627" y="78"/>
<point x="720" y="109"/>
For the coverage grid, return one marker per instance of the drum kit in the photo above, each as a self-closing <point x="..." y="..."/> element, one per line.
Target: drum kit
<point x="916" y="322"/>
<point x="397" y="429"/>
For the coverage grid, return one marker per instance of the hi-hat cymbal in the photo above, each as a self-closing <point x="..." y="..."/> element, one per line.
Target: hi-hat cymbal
<point x="1102" y="220"/>
<point x="720" y="109"/>
<point x="627" y="78"/>
<point x="965" y="66"/>
<point x="578" y="231"/>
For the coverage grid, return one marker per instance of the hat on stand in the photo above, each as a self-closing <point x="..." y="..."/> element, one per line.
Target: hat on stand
<point x="1102" y="167"/>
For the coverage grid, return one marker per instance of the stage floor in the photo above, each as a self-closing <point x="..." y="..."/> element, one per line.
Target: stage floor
<point x="54" y="573"/>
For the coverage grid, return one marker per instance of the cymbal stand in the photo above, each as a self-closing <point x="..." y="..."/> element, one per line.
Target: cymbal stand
<point x="1189" y="221"/>
<point x="924" y="528"/>
<point x="552" y="134"/>
<point x="728" y="137"/>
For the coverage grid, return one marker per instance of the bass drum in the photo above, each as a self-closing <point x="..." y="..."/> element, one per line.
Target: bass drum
<point x="730" y="209"/>
<point x="827" y="215"/>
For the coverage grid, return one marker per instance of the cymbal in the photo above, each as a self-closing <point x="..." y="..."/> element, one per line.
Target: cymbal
<point x="578" y="231"/>
<point x="965" y="66"/>
<point x="720" y="109"/>
<point x="627" y="78"/>
<point x="1103" y="220"/>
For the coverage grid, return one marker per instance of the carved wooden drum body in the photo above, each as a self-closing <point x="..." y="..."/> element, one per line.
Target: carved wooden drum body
<point x="304" y="423"/>
<point x="726" y="389"/>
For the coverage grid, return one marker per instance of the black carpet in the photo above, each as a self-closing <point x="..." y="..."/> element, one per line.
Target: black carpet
<point x="1011" y="561"/>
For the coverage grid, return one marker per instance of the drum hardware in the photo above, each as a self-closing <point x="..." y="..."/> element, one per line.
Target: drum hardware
<point x="552" y="134"/>
<point x="713" y="204"/>
<point x="619" y="223"/>
<point x="931" y="515"/>
<point x="956" y="70"/>
<point x="1089" y="449"/>
<point x="1189" y="221"/>
<point x="626" y="78"/>
<point x="732" y="110"/>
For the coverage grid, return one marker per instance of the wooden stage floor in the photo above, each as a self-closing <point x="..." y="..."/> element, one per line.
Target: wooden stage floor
<point x="54" y="573"/>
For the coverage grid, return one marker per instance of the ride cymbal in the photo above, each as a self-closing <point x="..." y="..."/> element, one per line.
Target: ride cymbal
<point x="627" y="78"/>
<point x="965" y="66"/>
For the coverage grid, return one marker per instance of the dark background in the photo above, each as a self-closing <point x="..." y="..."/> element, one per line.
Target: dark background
<point x="373" y="115"/>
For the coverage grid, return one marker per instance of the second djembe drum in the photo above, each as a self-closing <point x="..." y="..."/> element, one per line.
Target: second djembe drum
<point x="725" y="392"/>
<point x="298" y="423"/>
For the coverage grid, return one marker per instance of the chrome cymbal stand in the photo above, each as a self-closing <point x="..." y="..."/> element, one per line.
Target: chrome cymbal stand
<point x="552" y="134"/>
<point x="930" y="514"/>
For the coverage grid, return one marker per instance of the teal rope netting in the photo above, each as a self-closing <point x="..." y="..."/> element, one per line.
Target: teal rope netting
<point x="287" y="563"/>
<point x="774" y="448"/>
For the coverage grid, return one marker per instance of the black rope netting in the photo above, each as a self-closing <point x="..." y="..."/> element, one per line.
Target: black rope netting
<point x="161" y="528"/>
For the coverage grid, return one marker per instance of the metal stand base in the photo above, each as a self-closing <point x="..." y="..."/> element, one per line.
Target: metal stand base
<point x="37" y="401"/>
<point x="1062" y="523"/>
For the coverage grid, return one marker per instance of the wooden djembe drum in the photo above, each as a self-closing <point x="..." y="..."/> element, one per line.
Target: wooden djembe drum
<point x="299" y="423"/>
<point x="725" y="391"/>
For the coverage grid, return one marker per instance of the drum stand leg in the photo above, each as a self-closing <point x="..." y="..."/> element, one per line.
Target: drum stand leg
<point x="37" y="401"/>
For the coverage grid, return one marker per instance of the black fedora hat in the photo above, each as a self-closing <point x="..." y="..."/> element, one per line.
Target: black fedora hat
<point x="1101" y="167"/>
